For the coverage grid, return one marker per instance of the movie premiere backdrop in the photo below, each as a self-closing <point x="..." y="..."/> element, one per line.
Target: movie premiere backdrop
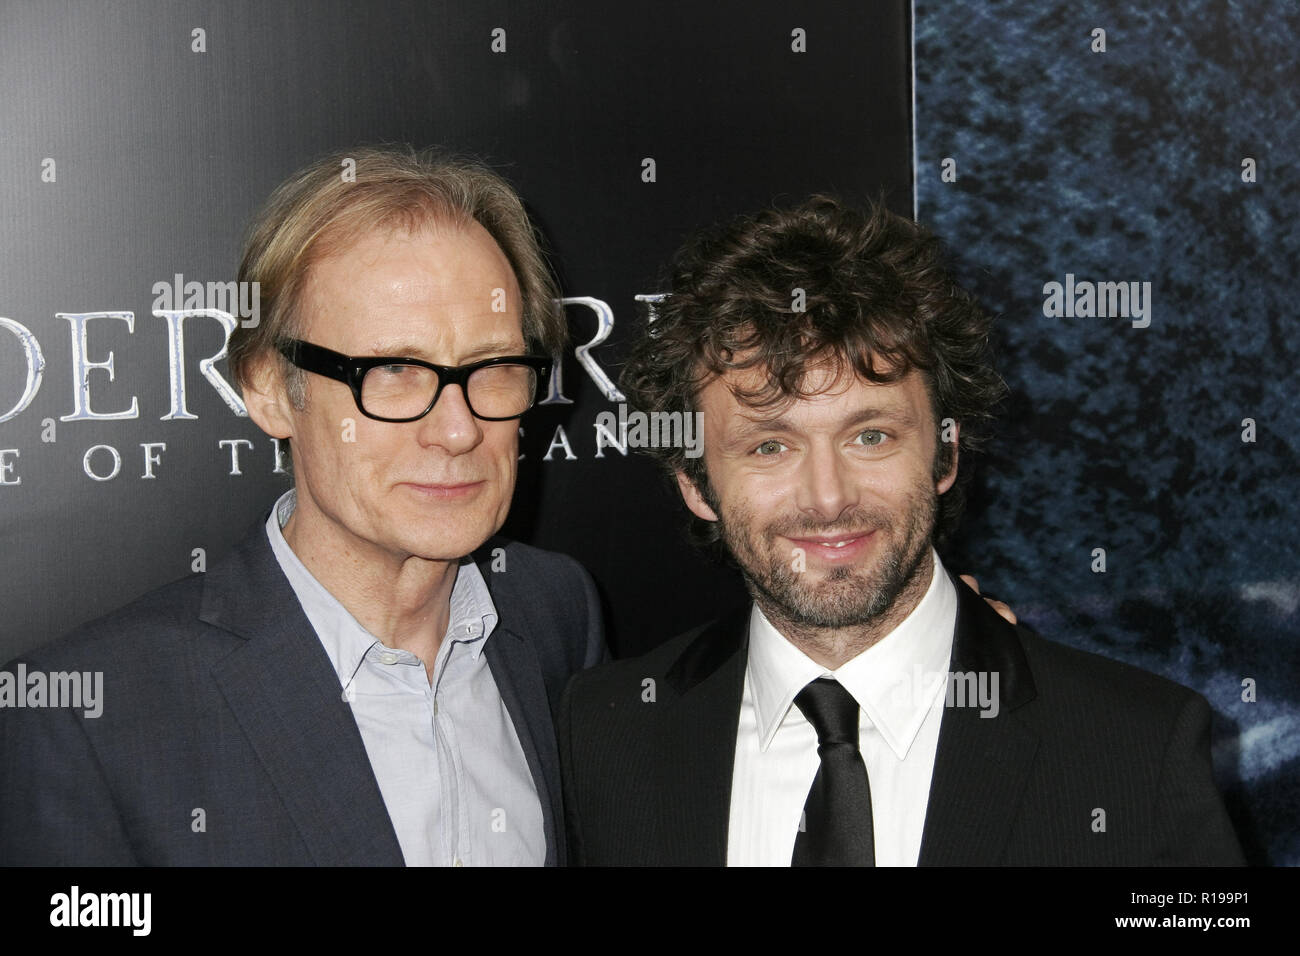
<point x="1117" y="184"/>
<point x="1118" y="180"/>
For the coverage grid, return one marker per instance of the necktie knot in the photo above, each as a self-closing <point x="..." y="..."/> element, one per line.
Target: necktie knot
<point x="832" y="711"/>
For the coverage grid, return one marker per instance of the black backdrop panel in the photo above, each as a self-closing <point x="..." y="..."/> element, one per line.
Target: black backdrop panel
<point x="139" y="139"/>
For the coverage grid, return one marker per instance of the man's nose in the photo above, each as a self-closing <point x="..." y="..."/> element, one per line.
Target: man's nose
<point x="826" y="484"/>
<point x="450" y="424"/>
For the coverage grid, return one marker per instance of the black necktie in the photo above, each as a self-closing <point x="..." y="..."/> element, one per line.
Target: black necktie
<point x="836" y="827"/>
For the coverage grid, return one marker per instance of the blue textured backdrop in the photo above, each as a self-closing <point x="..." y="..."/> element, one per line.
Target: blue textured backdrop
<point x="1126" y="165"/>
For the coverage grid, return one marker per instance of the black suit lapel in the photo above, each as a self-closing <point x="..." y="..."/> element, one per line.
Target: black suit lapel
<point x="707" y="682"/>
<point x="981" y="762"/>
<point x="285" y="694"/>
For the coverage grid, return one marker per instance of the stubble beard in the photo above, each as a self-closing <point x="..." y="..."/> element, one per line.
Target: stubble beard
<point x="843" y="610"/>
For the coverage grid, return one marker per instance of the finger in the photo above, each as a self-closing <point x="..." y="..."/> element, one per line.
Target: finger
<point x="1003" y="609"/>
<point x="974" y="585"/>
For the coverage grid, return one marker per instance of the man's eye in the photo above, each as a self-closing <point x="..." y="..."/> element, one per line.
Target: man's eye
<point x="769" y="447"/>
<point x="394" y="369"/>
<point x="872" y="436"/>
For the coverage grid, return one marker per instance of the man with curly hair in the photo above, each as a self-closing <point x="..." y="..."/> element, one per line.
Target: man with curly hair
<point x="868" y="708"/>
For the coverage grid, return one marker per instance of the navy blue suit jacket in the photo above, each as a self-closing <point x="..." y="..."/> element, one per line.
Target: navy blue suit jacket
<point x="218" y="697"/>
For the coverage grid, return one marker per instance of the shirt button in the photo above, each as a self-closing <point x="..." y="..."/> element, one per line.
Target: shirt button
<point x="388" y="657"/>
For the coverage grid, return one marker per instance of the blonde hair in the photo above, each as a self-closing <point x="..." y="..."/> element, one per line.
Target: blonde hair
<point x="330" y="203"/>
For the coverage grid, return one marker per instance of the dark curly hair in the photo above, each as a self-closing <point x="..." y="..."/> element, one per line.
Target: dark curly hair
<point x="876" y="296"/>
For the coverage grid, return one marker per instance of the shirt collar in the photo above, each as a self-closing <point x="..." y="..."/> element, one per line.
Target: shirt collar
<point x="895" y="681"/>
<point x="472" y="618"/>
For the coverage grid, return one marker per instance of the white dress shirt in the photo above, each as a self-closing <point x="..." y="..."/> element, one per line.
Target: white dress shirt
<point x="899" y="683"/>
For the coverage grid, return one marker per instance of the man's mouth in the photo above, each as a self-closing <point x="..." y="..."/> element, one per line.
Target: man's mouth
<point x="444" y="490"/>
<point x="835" y="548"/>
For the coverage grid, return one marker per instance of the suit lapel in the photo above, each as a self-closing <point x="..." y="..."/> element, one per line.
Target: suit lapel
<point x="981" y="763"/>
<point x="286" y="696"/>
<point x="708" y="681"/>
<point x="518" y="676"/>
<point x="521" y="682"/>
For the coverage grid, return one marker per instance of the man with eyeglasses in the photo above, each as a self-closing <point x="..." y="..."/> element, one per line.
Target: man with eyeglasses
<point x="349" y="686"/>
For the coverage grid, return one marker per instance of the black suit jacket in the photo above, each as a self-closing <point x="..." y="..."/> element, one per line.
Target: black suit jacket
<point x="648" y="745"/>
<point x="218" y="697"/>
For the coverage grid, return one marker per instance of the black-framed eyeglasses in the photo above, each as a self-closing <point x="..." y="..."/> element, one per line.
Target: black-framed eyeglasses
<point x="392" y="389"/>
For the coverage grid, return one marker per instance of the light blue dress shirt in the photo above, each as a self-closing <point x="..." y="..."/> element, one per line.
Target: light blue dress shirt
<point x="447" y="757"/>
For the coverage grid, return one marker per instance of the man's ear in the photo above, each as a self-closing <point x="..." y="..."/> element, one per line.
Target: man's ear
<point x="949" y="434"/>
<point x="266" y="397"/>
<point x="694" y="500"/>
